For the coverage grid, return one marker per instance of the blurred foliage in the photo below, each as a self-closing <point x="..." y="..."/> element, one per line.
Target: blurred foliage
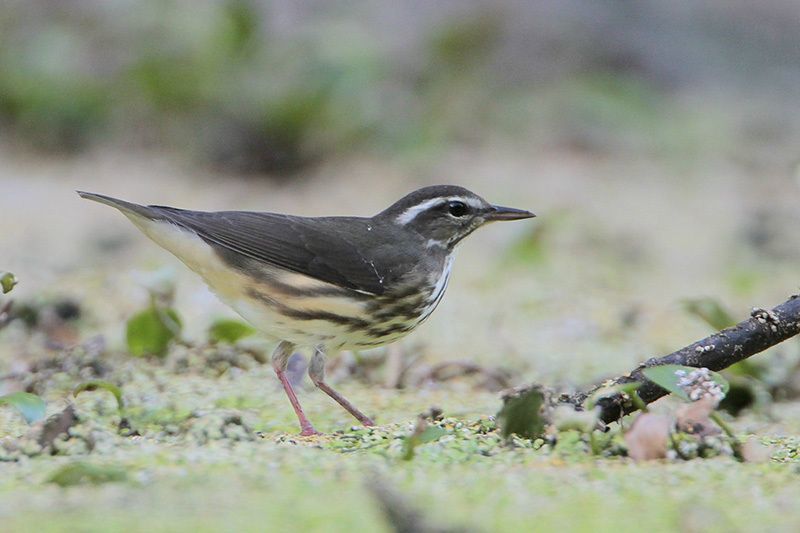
<point x="423" y="433"/>
<point x="150" y="332"/>
<point x="522" y="413"/>
<point x="80" y="472"/>
<point x="214" y="80"/>
<point x="460" y="43"/>
<point x="90" y="386"/>
<point x="7" y="281"/>
<point x="229" y="330"/>
<point x="29" y="405"/>
<point x="55" y="114"/>
<point x="710" y="311"/>
<point x="603" y="111"/>
<point x="224" y="80"/>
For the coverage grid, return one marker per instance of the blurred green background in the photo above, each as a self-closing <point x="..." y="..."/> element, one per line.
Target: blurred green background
<point x="273" y="87"/>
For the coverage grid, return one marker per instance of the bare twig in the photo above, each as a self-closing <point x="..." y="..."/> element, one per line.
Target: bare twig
<point x="762" y="330"/>
<point x="401" y="516"/>
<point x="494" y="379"/>
<point x="396" y="367"/>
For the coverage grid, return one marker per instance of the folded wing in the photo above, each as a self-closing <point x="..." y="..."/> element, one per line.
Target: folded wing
<point x="320" y="248"/>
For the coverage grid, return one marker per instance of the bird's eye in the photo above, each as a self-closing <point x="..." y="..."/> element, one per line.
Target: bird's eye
<point x="457" y="209"/>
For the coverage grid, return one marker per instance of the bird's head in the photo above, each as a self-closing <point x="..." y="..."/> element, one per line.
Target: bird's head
<point x="445" y="214"/>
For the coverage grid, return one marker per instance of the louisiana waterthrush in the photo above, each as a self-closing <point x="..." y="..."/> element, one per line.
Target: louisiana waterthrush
<point x="329" y="282"/>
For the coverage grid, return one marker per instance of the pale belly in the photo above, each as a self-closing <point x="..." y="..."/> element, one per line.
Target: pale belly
<point x="335" y="319"/>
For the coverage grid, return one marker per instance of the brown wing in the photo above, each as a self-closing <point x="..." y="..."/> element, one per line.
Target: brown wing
<point x="355" y="253"/>
<point x="336" y="250"/>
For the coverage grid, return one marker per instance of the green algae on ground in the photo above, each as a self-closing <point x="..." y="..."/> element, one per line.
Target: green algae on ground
<point x="214" y="452"/>
<point x="81" y="472"/>
<point x="211" y="445"/>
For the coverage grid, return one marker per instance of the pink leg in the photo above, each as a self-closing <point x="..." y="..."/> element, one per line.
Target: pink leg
<point x="280" y="358"/>
<point x="316" y="370"/>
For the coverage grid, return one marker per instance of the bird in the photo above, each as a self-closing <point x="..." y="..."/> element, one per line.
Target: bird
<point x="326" y="283"/>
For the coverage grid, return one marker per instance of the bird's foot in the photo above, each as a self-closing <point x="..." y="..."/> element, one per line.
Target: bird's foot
<point x="309" y="431"/>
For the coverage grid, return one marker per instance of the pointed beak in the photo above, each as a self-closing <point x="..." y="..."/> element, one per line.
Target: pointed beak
<point x="507" y="213"/>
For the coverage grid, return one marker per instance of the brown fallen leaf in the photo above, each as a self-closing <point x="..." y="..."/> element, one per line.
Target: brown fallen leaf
<point x="57" y="425"/>
<point x="693" y="418"/>
<point x="648" y="437"/>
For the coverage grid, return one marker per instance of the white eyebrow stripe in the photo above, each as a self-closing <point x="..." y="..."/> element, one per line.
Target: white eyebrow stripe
<point x="411" y="213"/>
<point x="472" y="202"/>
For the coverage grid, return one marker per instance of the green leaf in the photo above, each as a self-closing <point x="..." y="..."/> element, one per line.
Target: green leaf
<point x="229" y="330"/>
<point x="7" y="281"/>
<point x="665" y="376"/>
<point x="79" y="473"/>
<point x="151" y="331"/>
<point x="31" y="406"/>
<point x="521" y="413"/>
<point x="105" y="385"/>
<point x="429" y="434"/>
<point x="432" y="433"/>
<point x="710" y="311"/>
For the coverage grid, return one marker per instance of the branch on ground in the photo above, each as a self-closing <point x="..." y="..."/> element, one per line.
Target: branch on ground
<point x="762" y="330"/>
